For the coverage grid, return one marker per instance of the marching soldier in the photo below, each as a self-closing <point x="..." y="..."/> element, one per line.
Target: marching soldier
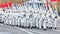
<point x="37" y="19"/>
<point x="31" y="20"/>
<point x="45" y="21"/>
<point x="19" y="20"/>
<point x="22" y="19"/>
<point x="1" y="16"/>
<point x="28" y="19"/>
<point x="15" y="17"/>
<point x="10" y="18"/>
<point x="40" y="20"/>
<point x="55" y="17"/>
<point x="5" y="18"/>
<point x="50" y="21"/>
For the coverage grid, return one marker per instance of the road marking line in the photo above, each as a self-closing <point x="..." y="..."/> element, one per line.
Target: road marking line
<point x="25" y="31"/>
<point x="38" y="32"/>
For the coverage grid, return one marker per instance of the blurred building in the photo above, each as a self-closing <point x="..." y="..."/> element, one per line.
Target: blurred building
<point x="14" y="1"/>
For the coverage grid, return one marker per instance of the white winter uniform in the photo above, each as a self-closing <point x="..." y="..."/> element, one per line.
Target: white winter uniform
<point x="22" y="14"/>
<point x="14" y="19"/>
<point x="10" y="18"/>
<point x="19" y="20"/>
<point x="1" y="18"/>
<point x="49" y="16"/>
<point x="50" y="21"/>
<point x="5" y="18"/>
<point x="54" y="17"/>
<point x="36" y="15"/>
<point x="24" y="21"/>
<point x="45" y="21"/>
<point x="28" y="19"/>
<point x="40" y="21"/>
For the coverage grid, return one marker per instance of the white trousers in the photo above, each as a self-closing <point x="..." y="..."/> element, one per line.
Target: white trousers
<point x="55" y="23"/>
<point x="50" y="22"/>
<point x="28" y="22"/>
<point x="24" y="22"/>
<point x="40" y="24"/>
<point x="45" y="24"/>
<point x="19" y="22"/>
<point x="37" y="23"/>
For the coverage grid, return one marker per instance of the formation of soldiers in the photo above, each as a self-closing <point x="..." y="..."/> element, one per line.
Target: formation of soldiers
<point x="28" y="18"/>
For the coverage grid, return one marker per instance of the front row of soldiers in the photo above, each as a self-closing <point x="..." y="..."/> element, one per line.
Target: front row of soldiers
<point x="30" y="19"/>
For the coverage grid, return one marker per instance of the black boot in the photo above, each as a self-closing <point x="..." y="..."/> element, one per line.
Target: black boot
<point x="55" y="28"/>
<point x="45" y="29"/>
<point x="37" y="28"/>
<point x="50" y="27"/>
<point x="41" y="26"/>
<point x="28" y="26"/>
<point x="22" y="26"/>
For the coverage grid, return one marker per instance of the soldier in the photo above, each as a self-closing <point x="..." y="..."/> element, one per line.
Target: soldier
<point x="22" y="22"/>
<point x="19" y="20"/>
<point x="45" y="21"/>
<point x="28" y="18"/>
<point x="15" y="17"/>
<point x="31" y="20"/>
<point x="37" y="19"/>
<point x="50" y="21"/>
<point x="5" y="18"/>
<point x="1" y="16"/>
<point x="55" y="17"/>
<point x="40" y="20"/>
<point x="10" y="19"/>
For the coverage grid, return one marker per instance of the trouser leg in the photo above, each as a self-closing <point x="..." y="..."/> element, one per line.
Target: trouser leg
<point x="9" y="21"/>
<point x="22" y="22"/>
<point x="44" y="25"/>
<point x="18" y="22"/>
<point x="49" y="24"/>
<point x="27" y="23"/>
<point x="55" y="23"/>
<point x="31" y="24"/>
<point x="40" y="22"/>
<point x="37" y="23"/>
<point x="4" y="20"/>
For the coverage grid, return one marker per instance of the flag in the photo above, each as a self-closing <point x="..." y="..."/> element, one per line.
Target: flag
<point x="6" y="5"/>
<point x="53" y="0"/>
<point x="10" y="4"/>
<point x="2" y="5"/>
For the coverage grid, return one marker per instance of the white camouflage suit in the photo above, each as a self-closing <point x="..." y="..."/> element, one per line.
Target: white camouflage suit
<point x="40" y="20"/>
<point x="22" y="19"/>
<point x="28" y="18"/>
<point x="37" y="16"/>
<point x="45" y="21"/>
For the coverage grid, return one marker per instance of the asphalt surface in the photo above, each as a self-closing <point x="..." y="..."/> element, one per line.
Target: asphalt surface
<point x="5" y="29"/>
